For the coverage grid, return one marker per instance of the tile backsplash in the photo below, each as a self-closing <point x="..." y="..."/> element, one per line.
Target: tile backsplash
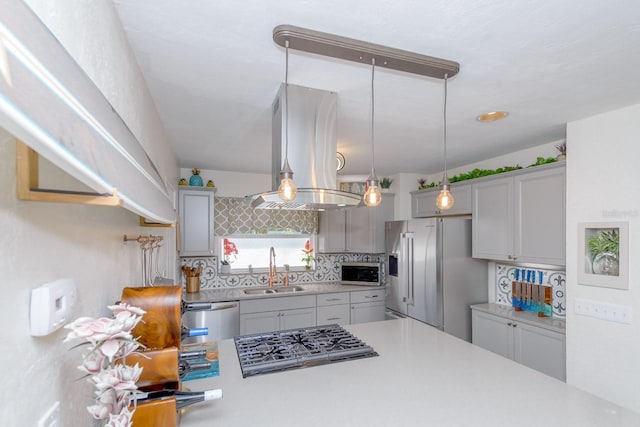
<point x="505" y="274"/>
<point x="327" y="270"/>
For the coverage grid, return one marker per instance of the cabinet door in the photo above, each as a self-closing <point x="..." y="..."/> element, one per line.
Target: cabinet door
<point x="383" y="213"/>
<point x="300" y="318"/>
<point x="254" y="323"/>
<point x="332" y="233"/>
<point x="330" y="314"/>
<point x="493" y="219"/>
<point x="196" y="222"/>
<point x="367" y="312"/>
<point x="492" y="333"/>
<point x="423" y="203"/>
<point x="540" y="217"/>
<point x="540" y="349"/>
<point x="360" y="229"/>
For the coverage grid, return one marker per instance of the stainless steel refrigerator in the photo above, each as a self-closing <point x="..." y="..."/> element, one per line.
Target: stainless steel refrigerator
<point x="431" y="276"/>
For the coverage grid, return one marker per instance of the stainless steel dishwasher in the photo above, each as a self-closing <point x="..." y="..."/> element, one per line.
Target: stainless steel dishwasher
<point x="221" y="318"/>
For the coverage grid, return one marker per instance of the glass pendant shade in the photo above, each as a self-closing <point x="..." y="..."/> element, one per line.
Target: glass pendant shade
<point x="287" y="189"/>
<point x="445" y="199"/>
<point x="372" y="197"/>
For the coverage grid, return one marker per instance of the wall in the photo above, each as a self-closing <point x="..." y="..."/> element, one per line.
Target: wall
<point x="602" y="178"/>
<point x="42" y="242"/>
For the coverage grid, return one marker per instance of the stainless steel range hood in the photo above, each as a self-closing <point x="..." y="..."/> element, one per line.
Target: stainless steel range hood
<point x="312" y="151"/>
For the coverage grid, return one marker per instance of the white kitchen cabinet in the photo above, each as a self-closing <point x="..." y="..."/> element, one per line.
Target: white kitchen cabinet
<point x="367" y="306"/>
<point x="273" y="314"/>
<point x="333" y="308"/>
<point x="357" y="229"/>
<point x="521" y="217"/>
<point x="534" y="346"/>
<point x="423" y="202"/>
<point x="196" y="211"/>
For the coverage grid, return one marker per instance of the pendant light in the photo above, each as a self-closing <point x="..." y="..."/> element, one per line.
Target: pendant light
<point x="287" y="189"/>
<point x="445" y="199"/>
<point x="372" y="197"/>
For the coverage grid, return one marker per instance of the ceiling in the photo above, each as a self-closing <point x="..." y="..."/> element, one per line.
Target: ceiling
<point x="213" y="70"/>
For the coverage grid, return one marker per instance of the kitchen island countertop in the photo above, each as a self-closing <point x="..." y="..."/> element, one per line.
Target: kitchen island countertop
<point x="422" y="377"/>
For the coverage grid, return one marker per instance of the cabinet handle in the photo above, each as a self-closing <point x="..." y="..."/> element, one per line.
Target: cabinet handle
<point x="333" y="318"/>
<point x="514" y="325"/>
<point x="333" y="299"/>
<point x="509" y="324"/>
<point x="373" y="296"/>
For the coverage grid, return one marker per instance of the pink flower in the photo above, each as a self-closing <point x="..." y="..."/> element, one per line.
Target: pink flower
<point x="92" y="363"/>
<point x="123" y="419"/>
<point x="123" y="307"/>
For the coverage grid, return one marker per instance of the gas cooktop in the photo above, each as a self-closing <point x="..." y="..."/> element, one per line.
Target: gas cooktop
<point x="298" y="348"/>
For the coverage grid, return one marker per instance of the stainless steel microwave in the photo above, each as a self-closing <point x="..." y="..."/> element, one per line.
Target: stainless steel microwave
<point x="361" y="273"/>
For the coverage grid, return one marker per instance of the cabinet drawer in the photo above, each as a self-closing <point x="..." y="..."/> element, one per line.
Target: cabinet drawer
<point x="274" y="304"/>
<point x="333" y="298"/>
<point x="367" y="296"/>
<point x="329" y="314"/>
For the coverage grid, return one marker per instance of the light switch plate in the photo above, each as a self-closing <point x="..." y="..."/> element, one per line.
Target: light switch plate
<point x="604" y="311"/>
<point x="51" y="306"/>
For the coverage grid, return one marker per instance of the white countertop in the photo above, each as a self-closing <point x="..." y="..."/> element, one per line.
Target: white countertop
<point x="422" y="377"/>
<point x="235" y="294"/>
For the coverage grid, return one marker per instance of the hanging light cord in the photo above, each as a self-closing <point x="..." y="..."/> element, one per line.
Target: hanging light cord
<point x="373" y="66"/>
<point x="445" y="128"/>
<point x="286" y="103"/>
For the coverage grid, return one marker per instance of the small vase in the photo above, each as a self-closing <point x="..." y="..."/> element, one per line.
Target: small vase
<point x="561" y="157"/>
<point x="195" y="181"/>
<point x="307" y="267"/>
<point x="225" y="268"/>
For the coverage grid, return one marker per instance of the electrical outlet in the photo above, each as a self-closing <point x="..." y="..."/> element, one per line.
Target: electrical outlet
<point x="52" y="417"/>
<point x="604" y="311"/>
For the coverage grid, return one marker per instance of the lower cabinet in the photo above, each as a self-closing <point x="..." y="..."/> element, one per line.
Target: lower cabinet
<point x="333" y="308"/>
<point x="273" y="314"/>
<point x="367" y="306"/>
<point x="300" y="311"/>
<point x="536" y="347"/>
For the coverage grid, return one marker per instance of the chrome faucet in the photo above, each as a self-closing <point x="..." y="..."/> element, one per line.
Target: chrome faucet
<point x="273" y="270"/>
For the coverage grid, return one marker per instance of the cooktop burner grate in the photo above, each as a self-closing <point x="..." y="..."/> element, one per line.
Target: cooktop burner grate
<point x="298" y="348"/>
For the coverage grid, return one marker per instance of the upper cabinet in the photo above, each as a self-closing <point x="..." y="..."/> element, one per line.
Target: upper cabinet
<point x="196" y="221"/>
<point x="423" y="202"/>
<point x="521" y="217"/>
<point x="359" y="229"/>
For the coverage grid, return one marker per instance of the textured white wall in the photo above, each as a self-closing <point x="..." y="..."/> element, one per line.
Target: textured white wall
<point x="603" y="175"/>
<point x="42" y="242"/>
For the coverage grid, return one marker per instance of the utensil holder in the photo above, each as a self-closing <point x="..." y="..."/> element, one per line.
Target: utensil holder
<point x="193" y="284"/>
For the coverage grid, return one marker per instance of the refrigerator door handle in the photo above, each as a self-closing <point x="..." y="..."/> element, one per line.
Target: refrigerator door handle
<point x="410" y="269"/>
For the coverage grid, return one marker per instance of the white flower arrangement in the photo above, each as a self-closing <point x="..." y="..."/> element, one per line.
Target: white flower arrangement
<point x="110" y="341"/>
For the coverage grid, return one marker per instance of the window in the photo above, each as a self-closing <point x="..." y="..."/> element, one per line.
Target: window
<point x="244" y="251"/>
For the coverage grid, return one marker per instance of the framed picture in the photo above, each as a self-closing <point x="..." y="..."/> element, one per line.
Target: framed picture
<point x="603" y="254"/>
<point x="353" y="187"/>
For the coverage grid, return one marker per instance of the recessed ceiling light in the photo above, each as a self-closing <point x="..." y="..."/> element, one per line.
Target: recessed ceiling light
<point x="492" y="116"/>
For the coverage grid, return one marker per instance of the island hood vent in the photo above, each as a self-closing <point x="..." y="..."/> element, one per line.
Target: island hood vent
<point x="312" y="152"/>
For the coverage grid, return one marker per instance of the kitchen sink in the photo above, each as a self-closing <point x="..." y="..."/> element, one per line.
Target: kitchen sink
<point x="258" y="291"/>
<point x="285" y="289"/>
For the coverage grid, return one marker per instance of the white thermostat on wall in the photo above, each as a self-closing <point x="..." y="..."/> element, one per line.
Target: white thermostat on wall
<point x="51" y="306"/>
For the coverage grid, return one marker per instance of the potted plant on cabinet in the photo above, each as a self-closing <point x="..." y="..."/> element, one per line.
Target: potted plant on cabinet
<point x="385" y="183"/>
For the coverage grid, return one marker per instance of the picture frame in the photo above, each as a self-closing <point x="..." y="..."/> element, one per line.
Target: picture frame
<point x="603" y="254"/>
<point x="353" y="187"/>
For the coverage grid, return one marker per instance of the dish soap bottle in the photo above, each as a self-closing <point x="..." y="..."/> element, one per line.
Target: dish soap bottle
<point x="196" y="179"/>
